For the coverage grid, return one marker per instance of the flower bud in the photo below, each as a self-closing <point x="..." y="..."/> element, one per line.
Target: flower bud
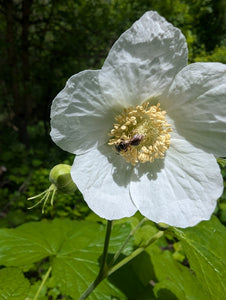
<point x="61" y="181"/>
<point x="60" y="176"/>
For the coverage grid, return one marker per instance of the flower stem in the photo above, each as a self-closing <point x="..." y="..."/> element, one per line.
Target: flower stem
<point x="103" y="267"/>
<point x="105" y="270"/>
<point x="43" y="282"/>
<point x="126" y="241"/>
<point x="127" y="259"/>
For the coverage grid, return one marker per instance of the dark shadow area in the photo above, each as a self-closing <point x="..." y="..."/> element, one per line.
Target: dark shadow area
<point x="137" y="278"/>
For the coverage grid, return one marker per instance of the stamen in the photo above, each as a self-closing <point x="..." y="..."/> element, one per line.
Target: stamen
<point x="141" y="133"/>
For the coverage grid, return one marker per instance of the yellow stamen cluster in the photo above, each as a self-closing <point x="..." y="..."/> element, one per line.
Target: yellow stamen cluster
<point x="141" y="133"/>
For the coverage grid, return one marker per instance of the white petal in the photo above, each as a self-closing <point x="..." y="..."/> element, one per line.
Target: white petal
<point x="143" y="61"/>
<point x="197" y="103"/>
<point x="103" y="177"/>
<point x="80" y="117"/>
<point x="181" y="190"/>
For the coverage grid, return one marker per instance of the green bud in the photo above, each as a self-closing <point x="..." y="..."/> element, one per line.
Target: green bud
<point x="60" y="176"/>
<point x="61" y="181"/>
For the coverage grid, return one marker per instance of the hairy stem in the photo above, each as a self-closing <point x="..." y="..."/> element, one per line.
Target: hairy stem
<point x="43" y="282"/>
<point x="103" y="267"/>
<point x="105" y="270"/>
<point x="126" y="241"/>
<point x="127" y="259"/>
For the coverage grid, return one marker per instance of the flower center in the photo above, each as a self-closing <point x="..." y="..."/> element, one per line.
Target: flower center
<point x="141" y="133"/>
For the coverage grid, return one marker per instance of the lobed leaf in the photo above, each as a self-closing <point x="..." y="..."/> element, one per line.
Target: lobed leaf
<point x="205" y="246"/>
<point x="74" y="249"/>
<point x="174" y="276"/>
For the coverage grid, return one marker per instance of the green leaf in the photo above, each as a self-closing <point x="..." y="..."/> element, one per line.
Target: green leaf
<point x="13" y="284"/>
<point x="31" y="242"/>
<point x="205" y="246"/>
<point x="74" y="247"/>
<point x="174" y="276"/>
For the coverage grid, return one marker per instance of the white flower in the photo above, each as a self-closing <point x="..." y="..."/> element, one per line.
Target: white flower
<point x="146" y="128"/>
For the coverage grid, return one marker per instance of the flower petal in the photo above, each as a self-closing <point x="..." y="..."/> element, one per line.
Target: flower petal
<point x="184" y="191"/>
<point x="103" y="178"/>
<point x="80" y="116"/>
<point x="197" y="103"/>
<point x="143" y="61"/>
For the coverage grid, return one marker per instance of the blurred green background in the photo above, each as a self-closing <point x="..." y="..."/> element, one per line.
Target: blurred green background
<point x="43" y="43"/>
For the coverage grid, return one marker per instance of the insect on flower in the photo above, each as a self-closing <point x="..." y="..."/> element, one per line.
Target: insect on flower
<point x="124" y="144"/>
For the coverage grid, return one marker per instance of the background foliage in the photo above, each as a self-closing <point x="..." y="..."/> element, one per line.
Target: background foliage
<point x="43" y="43"/>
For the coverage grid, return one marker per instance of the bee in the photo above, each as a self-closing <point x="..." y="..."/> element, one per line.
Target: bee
<point x="124" y="144"/>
